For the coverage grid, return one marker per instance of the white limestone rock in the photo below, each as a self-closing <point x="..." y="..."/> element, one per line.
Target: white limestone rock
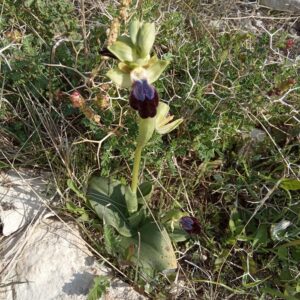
<point x="292" y="6"/>
<point x="42" y="258"/>
<point x="51" y="261"/>
<point x="22" y="198"/>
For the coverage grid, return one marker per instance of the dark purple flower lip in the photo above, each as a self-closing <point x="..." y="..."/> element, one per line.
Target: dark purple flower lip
<point x="144" y="98"/>
<point x="190" y="224"/>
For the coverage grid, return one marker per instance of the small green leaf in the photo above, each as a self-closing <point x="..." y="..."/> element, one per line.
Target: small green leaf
<point x="256" y="283"/>
<point x="179" y="235"/>
<point x="71" y="186"/>
<point x="119" y="78"/>
<point x="261" y="236"/>
<point x="101" y="283"/>
<point x="290" y="184"/>
<point x="144" y="192"/>
<point x="107" y="198"/>
<point x="110" y="239"/>
<point x="3" y="165"/>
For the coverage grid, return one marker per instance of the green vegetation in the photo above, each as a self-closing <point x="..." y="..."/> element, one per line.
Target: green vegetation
<point x="234" y="163"/>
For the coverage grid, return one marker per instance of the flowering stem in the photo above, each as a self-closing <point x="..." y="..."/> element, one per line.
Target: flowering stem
<point x="136" y="166"/>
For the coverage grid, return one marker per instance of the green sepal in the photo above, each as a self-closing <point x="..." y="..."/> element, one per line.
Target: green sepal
<point x="119" y="77"/>
<point x="126" y="40"/>
<point x="134" y="27"/>
<point x="106" y="197"/>
<point x="123" y="51"/>
<point x="145" y="39"/>
<point x="155" y="70"/>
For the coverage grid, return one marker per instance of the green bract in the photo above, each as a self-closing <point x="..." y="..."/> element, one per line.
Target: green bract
<point x="133" y="52"/>
<point x="163" y="120"/>
<point x="161" y="123"/>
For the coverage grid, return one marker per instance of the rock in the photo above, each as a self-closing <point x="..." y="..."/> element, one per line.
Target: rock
<point x="51" y="261"/>
<point x="42" y="258"/>
<point x="22" y="199"/>
<point x="257" y="135"/>
<point x="292" y="6"/>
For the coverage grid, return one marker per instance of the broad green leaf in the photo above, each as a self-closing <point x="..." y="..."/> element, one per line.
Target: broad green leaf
<point x="123" y="51"/>
<point x="119" y="77"/>
<point x="107" y="198"/>
<point x="155" y="70"/>
<point x="153" y="249"/>
<point x="290" y="184"/>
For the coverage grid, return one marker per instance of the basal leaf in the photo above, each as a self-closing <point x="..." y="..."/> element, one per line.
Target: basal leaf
<point x="108" y="200"/>
<point x="153" y="249"/>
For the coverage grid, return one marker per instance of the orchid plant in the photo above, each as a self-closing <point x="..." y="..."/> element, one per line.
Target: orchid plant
<point x="140" y="238"/>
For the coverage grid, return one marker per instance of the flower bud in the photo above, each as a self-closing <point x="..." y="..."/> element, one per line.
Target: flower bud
<point x="190" y="224"/>
<point x="77" y="100"/>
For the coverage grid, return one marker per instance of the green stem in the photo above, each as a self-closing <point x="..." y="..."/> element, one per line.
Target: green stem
<point x="136" y="167"/>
